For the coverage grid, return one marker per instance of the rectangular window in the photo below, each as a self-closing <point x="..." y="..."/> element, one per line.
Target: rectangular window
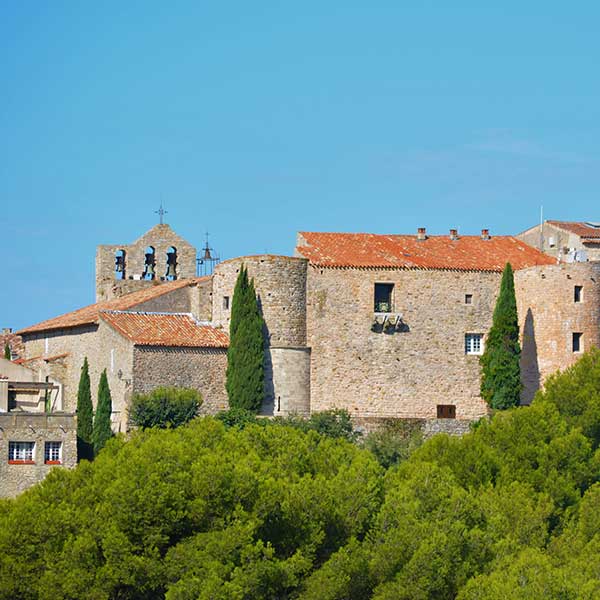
<point x="226" y="302"/>
<point x="578" y="293"/>
<point x="21" y="453"/>
<point x="474" y="343"/>
<point x="446" y="411"/>
<point x="383" y="297"/>
<point x="468" y="298"/>
<point x="52" y="453"/>
<point x="577" y="342"/>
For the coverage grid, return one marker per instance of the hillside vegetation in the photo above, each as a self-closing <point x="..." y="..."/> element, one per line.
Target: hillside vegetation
<point x="207" y="511"/>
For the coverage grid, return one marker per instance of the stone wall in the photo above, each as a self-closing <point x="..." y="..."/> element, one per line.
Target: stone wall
<point x="161" y="238"/>
<point x="178" y="301"/>
<point x="287" y="377"/>
<point x="549" y="316"/>
<point x="104" y="348"/>
<point x="201" y="299"/>
<point x="199" y="368"/>
<point x="403" y="374"/>
<point x="280" y="283"/>
<point x="38" y="428"/>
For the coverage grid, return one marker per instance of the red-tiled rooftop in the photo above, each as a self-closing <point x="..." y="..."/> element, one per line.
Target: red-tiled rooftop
<point x="163" y="329"/>
<point x="467" y="253"/>
<point x="89" y="315"/>
<point x="588" y="230"/>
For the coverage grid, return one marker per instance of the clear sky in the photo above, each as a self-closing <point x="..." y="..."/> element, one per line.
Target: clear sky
<point x="253" y="120"/>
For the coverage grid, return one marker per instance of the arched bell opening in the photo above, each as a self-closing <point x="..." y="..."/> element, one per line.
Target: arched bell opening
<point x="149" y="263"/>
<point x="120" y="264"/>
<point x="171" y="272"/>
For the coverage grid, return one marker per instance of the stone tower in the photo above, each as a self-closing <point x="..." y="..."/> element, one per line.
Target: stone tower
<point x="280" y="283"/>
<point x="159" y="255"/>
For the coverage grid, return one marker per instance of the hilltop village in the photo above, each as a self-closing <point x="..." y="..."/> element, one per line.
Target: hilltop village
<point x="384" y="326"/>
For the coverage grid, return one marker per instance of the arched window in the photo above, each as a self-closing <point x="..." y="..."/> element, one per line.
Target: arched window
<point x="149" y="264"/>
<point x="120" y="264"/>
<point x="171" y="272"/>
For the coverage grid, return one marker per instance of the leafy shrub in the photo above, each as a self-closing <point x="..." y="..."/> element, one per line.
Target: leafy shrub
<point x="164" y="407"/>
<point x="238" y="417"/>
<point x="394" y="442"/>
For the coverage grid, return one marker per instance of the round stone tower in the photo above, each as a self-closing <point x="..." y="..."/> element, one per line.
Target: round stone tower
<point x="280" y="283"/>
<point x="559" y="317"/>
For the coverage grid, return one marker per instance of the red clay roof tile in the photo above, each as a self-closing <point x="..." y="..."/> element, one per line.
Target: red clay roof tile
<point x="163" y="329"/>
<point x="89" y="314"/>
<point x="467" y="253"/>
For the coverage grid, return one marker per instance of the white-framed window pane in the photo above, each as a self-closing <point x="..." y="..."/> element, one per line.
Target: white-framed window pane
<point x="21" y="451"/>
<point x="474" y="343"/>
<point x="52" y="452"/>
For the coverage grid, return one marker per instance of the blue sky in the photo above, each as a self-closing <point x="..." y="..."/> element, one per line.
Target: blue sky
<point x="253" y="120"/>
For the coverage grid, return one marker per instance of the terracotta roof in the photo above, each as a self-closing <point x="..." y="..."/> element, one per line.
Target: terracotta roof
<point x="164" y="329"/>
<point x="89" y="314"/>
<point x="583" y="230"/>
<point x="467" y="253"/>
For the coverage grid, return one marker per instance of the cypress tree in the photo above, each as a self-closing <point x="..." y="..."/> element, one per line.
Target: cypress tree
<point x="245" y="357"/>
<point x="102" y="430"/>
<point x="7" y="353"/>
<point x="85" y="447"/>
<point x="501" y="373"/>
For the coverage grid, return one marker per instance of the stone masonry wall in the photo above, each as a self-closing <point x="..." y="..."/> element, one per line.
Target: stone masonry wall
<point x="199" y="368"/>
<point x="104" y="348"/>
<point x="280" y="283"/>
<point x="38" y="428"/>
<point x="14" y="342"/>
<point x="161" y="238"/>
<point x="407" y="373"/>
<point x="549" y="316"/>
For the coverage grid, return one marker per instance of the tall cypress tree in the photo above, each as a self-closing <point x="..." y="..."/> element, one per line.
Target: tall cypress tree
<point x="245" y="357"/>
<point x="7" y="352"/>
<point x="85" y="447"/>
<point x="102" y="430"/>
<point x="501" y="373"/>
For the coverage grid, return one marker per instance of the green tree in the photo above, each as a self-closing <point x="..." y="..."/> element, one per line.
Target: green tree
<point x="85" y="428"/>
<point x="102" y="430"/>
<point x="245" y="357"/>
<point x="501" y="373"/>
<point x="164" y="407"/>
<point x="7" y="353"/>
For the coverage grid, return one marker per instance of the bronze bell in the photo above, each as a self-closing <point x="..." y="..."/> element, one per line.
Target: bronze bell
<point x="150" y="269"/>
<point x="207" y="255"/>
<point x="120" y="264"/>
<point x="171" y="269"/>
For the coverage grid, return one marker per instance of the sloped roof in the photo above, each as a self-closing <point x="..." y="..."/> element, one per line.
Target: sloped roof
<point x="583" y="230"/>
<point x="467" y="253"/>
<point x="165" y="329"/>
<point x="89" y="314"/>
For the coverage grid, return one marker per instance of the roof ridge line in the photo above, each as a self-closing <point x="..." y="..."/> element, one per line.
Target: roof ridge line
<point x="147" y="312"/>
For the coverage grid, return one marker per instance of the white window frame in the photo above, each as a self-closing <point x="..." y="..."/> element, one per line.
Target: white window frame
<point x="21" y="452"/>
<point x="474" y="344"/>
<point x="53" y="453"/>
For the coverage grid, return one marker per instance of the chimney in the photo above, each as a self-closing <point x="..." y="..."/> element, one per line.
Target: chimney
<point x="421" y="233"/>
<point x="454" y="234"/>
<point x="485" y="234"/>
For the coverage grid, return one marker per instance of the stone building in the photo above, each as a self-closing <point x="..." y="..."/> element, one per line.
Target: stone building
<point x="386" y="326"/>
<point x="35" y="435"/>
<point x="567" y="241"/>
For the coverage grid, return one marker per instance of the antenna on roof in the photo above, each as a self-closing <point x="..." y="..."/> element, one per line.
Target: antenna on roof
<point x="541" y="227"/>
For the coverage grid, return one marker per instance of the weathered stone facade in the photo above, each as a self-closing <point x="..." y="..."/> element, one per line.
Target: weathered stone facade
<point x="549" y="315"/>
<point x="14" y="342"/>
<point x="280" y="283"/>
<point x="162" y="239"/>
<point x="404" y="374"/>
<point x="15" y="476"/>
<point x="200" y="368"/>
